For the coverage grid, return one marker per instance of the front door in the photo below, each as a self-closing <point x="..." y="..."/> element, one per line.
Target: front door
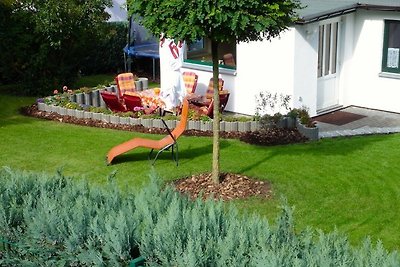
<point x="328" y="47"/>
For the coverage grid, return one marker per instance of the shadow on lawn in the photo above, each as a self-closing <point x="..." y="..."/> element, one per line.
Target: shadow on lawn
<point x="186" y="154"/>
<point x="342" y="146"/>
<point x="10" y="109"/>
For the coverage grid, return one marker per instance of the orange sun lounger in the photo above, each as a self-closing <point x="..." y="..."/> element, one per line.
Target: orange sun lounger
<point x="169" y="141"/>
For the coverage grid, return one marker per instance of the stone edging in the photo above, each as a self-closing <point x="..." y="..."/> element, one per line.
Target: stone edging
<point x="235" y="126"/>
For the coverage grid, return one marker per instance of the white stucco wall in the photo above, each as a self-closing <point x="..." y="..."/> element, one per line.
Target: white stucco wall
<point x="365" y="87"/>
<point x="263" y="66"/>
<point x="305" y="67"/>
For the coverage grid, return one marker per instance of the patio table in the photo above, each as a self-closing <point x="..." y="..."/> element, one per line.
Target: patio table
<point x="150" y="98"/>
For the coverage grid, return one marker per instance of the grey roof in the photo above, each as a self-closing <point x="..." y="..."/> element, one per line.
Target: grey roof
<point x="321" y="9"/>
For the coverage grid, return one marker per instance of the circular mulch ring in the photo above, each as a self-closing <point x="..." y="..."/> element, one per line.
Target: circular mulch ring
<point x="231" y="186"/>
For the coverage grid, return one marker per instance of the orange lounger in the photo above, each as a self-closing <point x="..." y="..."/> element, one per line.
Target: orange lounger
<point x="167" y="142"/>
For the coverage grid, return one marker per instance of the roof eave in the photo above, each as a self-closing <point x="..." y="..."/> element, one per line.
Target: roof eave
<point x="342" y="11"/>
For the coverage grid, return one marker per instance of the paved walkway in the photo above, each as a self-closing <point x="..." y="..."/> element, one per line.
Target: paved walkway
<point x="375" y="122"/>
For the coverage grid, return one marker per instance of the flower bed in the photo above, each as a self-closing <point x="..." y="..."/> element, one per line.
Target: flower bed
<point x="87" y="103"/>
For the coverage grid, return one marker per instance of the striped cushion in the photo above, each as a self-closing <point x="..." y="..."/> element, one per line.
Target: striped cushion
<point x="190" y="81"/>
<point x="125" y="83"/>
<point x="210" y="89"/>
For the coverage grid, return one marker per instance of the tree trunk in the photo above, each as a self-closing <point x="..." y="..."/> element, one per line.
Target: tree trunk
<point x="215" y="160"/>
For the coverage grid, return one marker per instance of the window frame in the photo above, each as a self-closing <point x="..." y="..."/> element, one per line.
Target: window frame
<point x="385" y="49"/>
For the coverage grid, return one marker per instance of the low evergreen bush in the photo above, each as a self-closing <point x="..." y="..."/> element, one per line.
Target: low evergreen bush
<point x="52" y="221"/>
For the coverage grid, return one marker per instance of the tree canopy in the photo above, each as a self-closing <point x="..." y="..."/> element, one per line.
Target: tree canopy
<point x="220" y="21"/>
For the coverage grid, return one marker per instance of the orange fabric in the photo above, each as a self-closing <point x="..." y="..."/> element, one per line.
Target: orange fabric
<point x="125" y="83"/>
<point x="210" y="89"/>
<point x="149" y="143"/>
<point x="190" y="81"/>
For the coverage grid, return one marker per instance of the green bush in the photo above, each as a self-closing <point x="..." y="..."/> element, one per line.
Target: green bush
<point x="52" y="221"/>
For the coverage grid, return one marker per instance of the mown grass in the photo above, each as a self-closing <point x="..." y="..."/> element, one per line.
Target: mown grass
<point x="349" y="183"/>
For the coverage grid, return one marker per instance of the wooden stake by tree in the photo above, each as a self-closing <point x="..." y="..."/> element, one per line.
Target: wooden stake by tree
<point x="220" y="21"/>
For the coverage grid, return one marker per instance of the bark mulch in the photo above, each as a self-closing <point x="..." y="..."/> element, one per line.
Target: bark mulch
<point x="231" y="186"/>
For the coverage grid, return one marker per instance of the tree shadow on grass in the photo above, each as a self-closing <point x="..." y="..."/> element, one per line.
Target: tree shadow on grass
<point x="341" y="146"/>
<point x="186" y="154"/>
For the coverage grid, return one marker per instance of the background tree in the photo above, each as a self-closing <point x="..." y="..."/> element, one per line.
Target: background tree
<point x="220" y="21"/>
<point x="44" y="42"/>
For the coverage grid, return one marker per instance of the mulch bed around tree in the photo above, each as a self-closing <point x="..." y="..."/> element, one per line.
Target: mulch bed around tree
<point x="231" y="186"/>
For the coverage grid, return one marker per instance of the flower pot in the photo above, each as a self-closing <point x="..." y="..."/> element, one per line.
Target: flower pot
<point x="71" y="112"/>
<point x="88" y="98"/>
<point x="41" y="106"/>
<point x="79" y="114"/>
<point x="206" y="125"/>
<point x="244" y="126"/>
<point x="62" y="111"/>
<point x="114" y="119"/>
<point x="311" y="133"/>
<point x="123" y="120"/>
<point x="80" y="98"/>
<point x="135" y="121"/>
<point x="254" y="126"/>
<point x="282" y="123"/>
<point x="97" y="116"/>
<point x="105" y="117"/>
<point x="194" y="125"/>
<point x="54" y="109"/>
<point x="96" y="98"/>
<point x="290" y="122"/>
<point x="72" y="98"/>
<point x="148" y="123"/>
<point x="157" y="123"/>
<point x="171" y="124"/>
<point x="138" y="85"/>
<point x="222" y="126"/>
<point x="145" y="83"/>
<point x="88" y="115"/>
<point x="231" y="126"/>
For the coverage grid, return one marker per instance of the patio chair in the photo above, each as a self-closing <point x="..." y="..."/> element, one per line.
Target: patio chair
<point x="125" y="83"/>
<point x="190" y="81"/>
<point x="169" y="141"/>
<point x="209" y="109"/>
<point x="229" y="60"/>
<point x="112" y="102"/>
<point x="132" y="101"/>
<point x="210" y="89"/>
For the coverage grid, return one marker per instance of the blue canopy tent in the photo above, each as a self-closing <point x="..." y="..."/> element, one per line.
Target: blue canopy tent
<point x="141" y="43"/>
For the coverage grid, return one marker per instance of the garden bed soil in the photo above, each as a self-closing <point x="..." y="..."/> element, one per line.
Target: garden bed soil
<point x="231" y="186"/>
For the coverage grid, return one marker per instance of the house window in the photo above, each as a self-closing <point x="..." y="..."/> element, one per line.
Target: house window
<point x="199" y="52"/>
<point x="391" y="47"/>
<point x="327" y="49"/>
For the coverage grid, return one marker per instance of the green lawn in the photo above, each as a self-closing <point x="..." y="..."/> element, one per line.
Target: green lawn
<point x="349" y="183"/>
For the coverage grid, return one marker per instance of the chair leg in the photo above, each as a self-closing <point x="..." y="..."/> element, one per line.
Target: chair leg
<point x="174" y="155"/>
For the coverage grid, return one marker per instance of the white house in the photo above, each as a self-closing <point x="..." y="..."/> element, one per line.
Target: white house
<point x="339" y="53"/>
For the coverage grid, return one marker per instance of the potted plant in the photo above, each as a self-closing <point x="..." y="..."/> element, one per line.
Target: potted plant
<point x="306" y="126"/>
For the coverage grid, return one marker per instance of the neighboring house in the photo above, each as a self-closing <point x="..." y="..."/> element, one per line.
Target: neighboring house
<point x="339" y="53"/>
